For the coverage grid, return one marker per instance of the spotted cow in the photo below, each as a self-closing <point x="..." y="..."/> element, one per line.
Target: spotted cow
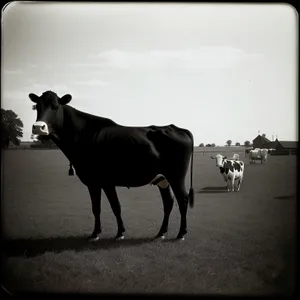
<point x="232" y="170"/>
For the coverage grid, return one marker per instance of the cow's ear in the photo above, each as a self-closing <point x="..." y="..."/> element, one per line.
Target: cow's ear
<point x="34" y="98"/>
<point x="65" y="99"/>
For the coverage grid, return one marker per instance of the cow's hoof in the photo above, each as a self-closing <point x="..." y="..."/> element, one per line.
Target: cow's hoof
<point x="160" y="237"/>
<point x="120" y="237"/>
<point x="93" y="238"/>
<point x="180" y="237"/>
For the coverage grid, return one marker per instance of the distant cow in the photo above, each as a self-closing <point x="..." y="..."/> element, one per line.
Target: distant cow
<point x="236" y="157"/>
<point x="106" y="155"/>
<point x="231" y="170"/>
<point x="271" y="150"/>
<point x="258" y="154"/>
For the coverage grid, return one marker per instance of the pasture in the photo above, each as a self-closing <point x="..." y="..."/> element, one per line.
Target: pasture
<point x="237" y="243"/>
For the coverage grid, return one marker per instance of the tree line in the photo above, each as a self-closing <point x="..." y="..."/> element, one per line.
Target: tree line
<point x="228" y="143"/>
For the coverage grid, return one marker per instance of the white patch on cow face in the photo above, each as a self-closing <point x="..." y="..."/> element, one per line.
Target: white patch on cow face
<point x="219" y="160"/>
<point x="40" y="128"/>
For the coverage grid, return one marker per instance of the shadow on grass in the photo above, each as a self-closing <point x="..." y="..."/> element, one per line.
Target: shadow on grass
<point x="284" y="197"/>
<point x="34" y="247"/>
<point x="212" y="189"/>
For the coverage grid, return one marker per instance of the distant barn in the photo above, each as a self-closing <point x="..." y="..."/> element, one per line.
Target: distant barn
<point x="261" y="142"/>
<point x="282" y="147"/>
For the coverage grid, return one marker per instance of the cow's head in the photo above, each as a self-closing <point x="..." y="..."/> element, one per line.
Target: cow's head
<point x="219" y="160"/>
<point x="49" y="112"/>
<point x="236" y="156"/>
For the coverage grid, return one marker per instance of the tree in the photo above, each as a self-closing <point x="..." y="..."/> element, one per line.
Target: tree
<point x="11" y="128"/>
<point x="247" y="143"/>
<point x="201" y="145"/>
<point x="237" y="144"/>
<point x="229" y="142"/>
<point x="213" y="145"/>
<point x="208" y="145"/>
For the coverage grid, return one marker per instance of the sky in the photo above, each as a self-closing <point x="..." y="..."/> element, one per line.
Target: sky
<point x="223" y="71"/>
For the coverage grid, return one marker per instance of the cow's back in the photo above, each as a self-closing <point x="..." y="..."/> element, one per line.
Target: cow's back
<point x="153" y="140"/>
<point x="122" y="151"/>
<point x="234" y="168"/>
<point x="171" y="138"/>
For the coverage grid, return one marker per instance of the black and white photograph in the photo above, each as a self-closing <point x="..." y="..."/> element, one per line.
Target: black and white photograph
<point x="149" y="148"/>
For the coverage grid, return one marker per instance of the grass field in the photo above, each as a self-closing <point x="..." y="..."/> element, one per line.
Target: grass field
<point x="238" y="243"/>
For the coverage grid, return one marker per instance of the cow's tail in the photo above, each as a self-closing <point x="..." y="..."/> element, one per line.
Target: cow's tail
<point x="191" y="191"/>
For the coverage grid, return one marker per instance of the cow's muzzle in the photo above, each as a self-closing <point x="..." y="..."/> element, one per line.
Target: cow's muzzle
<point x="40" y="128"/>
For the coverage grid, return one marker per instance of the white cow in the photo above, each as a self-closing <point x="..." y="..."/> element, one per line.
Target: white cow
<point x="236" y="156"/>
<point x="264" y="154"/>
<point x="258" y="154"/>
<point x="231" y="170"/>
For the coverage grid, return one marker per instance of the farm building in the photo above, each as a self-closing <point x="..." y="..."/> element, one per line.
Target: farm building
<point x="282" y="147"/>
<point x="261" y="142"/>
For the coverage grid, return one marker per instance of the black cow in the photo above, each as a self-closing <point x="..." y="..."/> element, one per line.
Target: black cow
<point x="106" y="154"/>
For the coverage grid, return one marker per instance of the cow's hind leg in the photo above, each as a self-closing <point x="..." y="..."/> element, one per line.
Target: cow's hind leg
<point x="95" y="194"/>
<point x="232" y="183"/>
<point x="182" y="198"/>
<point x="228" y="184"/>
<point x="113" y="199"/>
<point x="240" y="180"/>
<point x="168" y="202"/>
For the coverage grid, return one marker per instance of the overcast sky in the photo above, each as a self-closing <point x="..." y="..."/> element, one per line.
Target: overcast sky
<point x="222" y="71"/>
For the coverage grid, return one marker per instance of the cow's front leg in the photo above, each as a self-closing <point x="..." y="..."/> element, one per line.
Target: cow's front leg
<point x="228" y="184"/>
<point x="225" y="179"/>
<point x="95" y="194"/>
<point x="112" y="197"/>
